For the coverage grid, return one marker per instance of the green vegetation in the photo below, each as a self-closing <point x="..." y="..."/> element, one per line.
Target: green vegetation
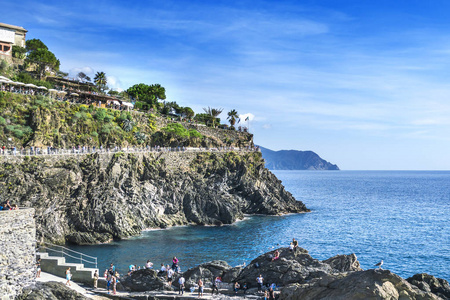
<point x="27" y="120"/>
<point x="41" y="57"/>
<point x="100" y="81"/>
<point x="212" y="114"/>
<point x="18" y="52"/>
<point x="175" y="135"/>
<point x="232" y="116"/>
<point x="147" y="95"/>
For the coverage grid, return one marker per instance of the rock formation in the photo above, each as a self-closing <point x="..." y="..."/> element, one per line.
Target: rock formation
<point x="299" y="276"/>
<point x="50" y="291"/>
<point x="85" y="199"/>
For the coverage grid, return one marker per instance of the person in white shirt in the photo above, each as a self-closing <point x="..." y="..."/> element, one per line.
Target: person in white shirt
<point x="181" y="281"/>
<point x="170" y="273"/>
<point x="149" y="264"/>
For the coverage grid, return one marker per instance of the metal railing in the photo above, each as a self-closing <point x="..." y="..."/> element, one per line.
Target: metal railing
<point x="66" y="252"/>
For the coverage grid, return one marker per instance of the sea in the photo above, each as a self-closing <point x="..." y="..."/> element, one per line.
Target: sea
<point x="400" y="217"/>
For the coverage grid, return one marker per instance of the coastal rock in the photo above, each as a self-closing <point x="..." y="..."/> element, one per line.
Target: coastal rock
<point x="370" y="284"/>
<point x="292" y="267"/>
<point x="429" y="283"/>
<point x="50" y="291"/>
<point x="144" y="280"/>
<point x="206" y="272"/>
<point x="344" y="263"/>
<point x="95" y="198"/>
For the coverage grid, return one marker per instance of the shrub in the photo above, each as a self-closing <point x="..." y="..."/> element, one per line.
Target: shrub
<point x="108" y="118"/>
<point x="100" y="115"/>
<point x="2" y="121"/>
<point x="18" y="133"/>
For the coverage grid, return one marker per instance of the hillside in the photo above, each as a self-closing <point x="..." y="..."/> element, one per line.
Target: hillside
<point x="295" y="160"/>
<point x="91" y="198"/>
<point x="39" y="121"/>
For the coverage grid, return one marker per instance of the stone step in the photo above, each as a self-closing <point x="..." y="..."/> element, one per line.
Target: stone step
<point x="57" y="266"/>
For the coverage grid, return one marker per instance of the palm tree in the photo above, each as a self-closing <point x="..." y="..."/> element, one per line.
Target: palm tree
<point x="100" y="80"/>
<point x="213" y="113"/>
<point x="232" y="116"/>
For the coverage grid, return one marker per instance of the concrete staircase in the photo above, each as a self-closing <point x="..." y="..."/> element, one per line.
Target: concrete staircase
<point x="57" y="266"/>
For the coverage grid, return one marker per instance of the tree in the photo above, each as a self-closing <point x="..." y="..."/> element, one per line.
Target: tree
<point x="213" y="113"/>
<point x="39" y="55"/>
<point x="188" y="112"/>
<point x="35" y="44"/>
<point x="44" y="61"/>
<point x="149" y="94"/>
<point x="81" y="76"/>
<point x="18" y="52"/>
<point x="232" y="116"/>
<point x="100" y="80"/>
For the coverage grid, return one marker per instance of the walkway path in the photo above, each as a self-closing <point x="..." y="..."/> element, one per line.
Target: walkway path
<point x="46" y="277"/>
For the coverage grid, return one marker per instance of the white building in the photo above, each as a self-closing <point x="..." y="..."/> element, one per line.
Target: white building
<point x="11" y="35"/>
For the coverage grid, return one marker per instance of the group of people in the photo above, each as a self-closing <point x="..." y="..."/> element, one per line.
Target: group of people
<point x="111" y="277"/>
<point x="8" y="206"/>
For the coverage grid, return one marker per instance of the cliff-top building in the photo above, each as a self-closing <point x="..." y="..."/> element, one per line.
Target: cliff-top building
<point x="11" y="35"/>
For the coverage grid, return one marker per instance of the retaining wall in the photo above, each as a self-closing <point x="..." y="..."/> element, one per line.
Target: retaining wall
<point x="17" y="251"/>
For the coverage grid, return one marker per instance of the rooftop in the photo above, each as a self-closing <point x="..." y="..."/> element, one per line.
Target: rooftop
<point x="13" y="27"/>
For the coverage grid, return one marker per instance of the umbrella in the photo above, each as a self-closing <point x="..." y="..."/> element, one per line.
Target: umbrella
<point x="20" y="83"/>
<point x="52" y="91"/>
<point x="4" y="78"/>
<point x="30" y="85"/>
<point x="74" y="94"/>
<point x="62" y="92"/>
<point x="42" y="87"/>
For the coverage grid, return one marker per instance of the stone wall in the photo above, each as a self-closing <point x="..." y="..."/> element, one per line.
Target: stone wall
<point x="17" y="251"/>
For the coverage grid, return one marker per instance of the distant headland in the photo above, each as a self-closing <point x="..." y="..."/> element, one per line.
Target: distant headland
<point x="295" y="160"/>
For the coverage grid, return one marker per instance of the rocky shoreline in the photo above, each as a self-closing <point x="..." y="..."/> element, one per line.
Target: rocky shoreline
<point x="94" y="198"/>
<point x="296" y="275"/>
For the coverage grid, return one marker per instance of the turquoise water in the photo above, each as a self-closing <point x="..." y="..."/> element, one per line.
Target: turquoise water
<point x="401" y="217"/>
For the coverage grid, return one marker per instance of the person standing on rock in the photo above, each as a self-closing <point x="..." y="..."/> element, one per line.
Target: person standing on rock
<point x="271" y="294"/>
<point x="175" y="264"/>
<point x="170" y="273"/>
<point x="95" y="279"/>
<point x="295" y="243"/>
<point x="200" y="288"/>
<point x="214" y="285"/>
<point x="181" y="281"/>
<point x="260" y="281"/>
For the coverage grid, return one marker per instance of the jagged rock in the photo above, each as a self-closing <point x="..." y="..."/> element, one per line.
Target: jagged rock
<point x="144" y="280"/>
<point x="96" y="198"/>
<point x="206" y="271"/>
<point x="429" y="283"/>
<point x="291" y="267"/>
<point x="49" y="291"/>
<point x="344" y="263"/>
<point x="370" y="284"/>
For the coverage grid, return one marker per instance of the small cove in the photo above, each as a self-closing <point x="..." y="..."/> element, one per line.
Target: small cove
<point x="398" y="216"/>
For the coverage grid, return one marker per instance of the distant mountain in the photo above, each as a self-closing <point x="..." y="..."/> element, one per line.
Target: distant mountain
<point x="295" y="160"/>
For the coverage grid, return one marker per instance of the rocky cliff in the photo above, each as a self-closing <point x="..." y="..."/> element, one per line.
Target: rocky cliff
<point x="85" y="199"/>
<point x="295" y="160"/>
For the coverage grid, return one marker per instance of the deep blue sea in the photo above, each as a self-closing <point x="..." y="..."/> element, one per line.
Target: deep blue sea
<point x="402" y="217"/>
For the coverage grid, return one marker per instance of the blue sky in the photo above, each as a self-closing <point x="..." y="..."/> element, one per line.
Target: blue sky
<point x="365" y="84"/>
